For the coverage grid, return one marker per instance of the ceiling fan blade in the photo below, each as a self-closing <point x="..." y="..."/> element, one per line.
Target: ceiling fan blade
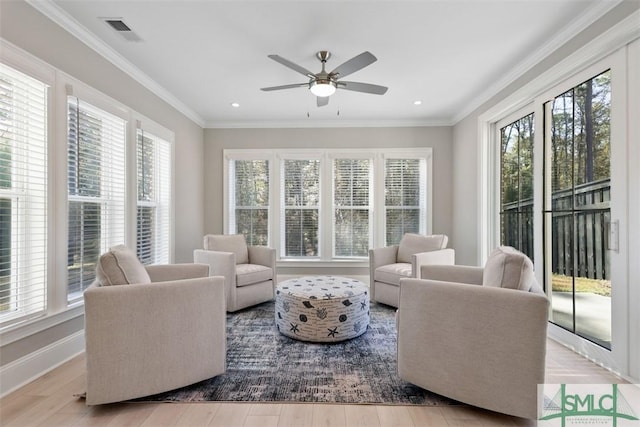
<point x="291" y="86"/>
<point x="322" y="100"/>
<point x="354" y="64"/>
<point x="363" y="87"/>
<point x="291" y="65"/>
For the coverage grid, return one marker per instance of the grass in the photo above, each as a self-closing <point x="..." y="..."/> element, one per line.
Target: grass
<point x="562" y="283"/>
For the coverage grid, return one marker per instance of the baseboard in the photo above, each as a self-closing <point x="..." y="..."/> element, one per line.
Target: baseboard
<point x="26" y="369"/>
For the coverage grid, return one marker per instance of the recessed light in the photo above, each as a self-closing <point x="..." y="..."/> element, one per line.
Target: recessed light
<point x="235" y="104"/>
<point x="418" y="102"/>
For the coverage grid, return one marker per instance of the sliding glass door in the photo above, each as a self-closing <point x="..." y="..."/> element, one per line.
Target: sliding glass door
<point x="578" y="208"/>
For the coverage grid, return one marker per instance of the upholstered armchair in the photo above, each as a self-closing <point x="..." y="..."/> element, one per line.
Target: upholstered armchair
<point x="151" y="329"/>
<point x="476" y="335"/>
<point x="249" y="271"/>
<point x="390" y="264"/>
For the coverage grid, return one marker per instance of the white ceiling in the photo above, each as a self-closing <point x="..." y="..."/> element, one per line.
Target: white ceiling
<point x="203" y="55"/>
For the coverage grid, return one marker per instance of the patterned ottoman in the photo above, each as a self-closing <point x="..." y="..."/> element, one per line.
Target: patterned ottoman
<point x="322" y="308"/>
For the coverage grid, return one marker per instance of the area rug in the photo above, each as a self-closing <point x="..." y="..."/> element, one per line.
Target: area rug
<point x="265" y="366"/>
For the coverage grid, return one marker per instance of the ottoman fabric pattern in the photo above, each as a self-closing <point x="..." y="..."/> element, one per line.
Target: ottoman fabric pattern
<point x="322" y="308"/>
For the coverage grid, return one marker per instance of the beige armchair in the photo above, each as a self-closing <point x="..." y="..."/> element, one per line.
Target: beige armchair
<point x="463" y="334"/>
<point x="162" y="327"/>
<point x="390" y="264"/>
<point x="249" y="271"/>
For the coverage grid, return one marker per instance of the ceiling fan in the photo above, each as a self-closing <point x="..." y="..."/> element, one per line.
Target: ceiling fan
<point x="324" y="84"/>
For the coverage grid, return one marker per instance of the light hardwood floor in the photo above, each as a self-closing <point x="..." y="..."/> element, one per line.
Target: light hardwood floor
<point x="49" y="401"/>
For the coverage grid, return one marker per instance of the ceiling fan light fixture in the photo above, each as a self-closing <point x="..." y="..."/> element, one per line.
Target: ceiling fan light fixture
<point x="322" y="88"/>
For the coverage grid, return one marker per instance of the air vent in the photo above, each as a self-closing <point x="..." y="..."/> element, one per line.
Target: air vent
<point x="118" y="25"/>
<point x="121" y="28"/>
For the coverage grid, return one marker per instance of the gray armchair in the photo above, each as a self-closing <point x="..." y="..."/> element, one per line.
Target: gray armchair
<point x="390" y="264"/>
<point x="151" y="329"/>
<point x="249" y="271"/>
<point x="463" y="334"/>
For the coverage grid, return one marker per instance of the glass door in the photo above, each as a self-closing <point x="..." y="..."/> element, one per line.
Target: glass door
<point x="577" y="208"/>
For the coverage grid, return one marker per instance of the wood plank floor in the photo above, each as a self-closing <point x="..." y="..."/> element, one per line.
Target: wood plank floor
<point x="49" y="401"/>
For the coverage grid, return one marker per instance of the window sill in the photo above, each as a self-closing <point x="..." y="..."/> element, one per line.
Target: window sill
<point x="322" y="263"/>
<point x="30" y="327"/>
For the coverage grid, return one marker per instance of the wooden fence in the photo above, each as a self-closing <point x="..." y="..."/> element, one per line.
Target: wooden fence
<point x="582" y="223"/>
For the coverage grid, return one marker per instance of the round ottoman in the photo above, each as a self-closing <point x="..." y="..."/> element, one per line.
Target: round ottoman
<point x="322" y="308"/>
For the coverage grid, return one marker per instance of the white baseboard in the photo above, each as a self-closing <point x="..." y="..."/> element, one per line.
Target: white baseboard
<point x="26" y="369"/>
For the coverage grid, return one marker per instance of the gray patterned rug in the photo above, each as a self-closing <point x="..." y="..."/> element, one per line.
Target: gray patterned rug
<point x="265" y="366"/>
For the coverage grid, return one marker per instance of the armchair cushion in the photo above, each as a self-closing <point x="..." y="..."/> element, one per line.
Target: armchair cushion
<point x="120" y="266"/>
<point x="249" y="274"/>
<point x="392" y="273"/>
<point x="508" y="268"/>
<point x="415" y="243"/>
<point x="235" y="243"/>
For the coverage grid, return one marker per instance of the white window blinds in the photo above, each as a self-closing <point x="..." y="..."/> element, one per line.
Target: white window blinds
<point x="301" y="207"/>
<point x="249" y="213"/>
<point x="96" y="189"/>
<point x="351" y="207"/>
<point x="23" y="196"/>
<point x="405" y="198"/>
<point x="153" y="234"/>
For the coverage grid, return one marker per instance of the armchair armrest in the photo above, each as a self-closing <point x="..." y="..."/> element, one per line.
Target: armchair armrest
<point x="220" y="264"/>
<point x="439" y="257"/>
<point x="262" y="255"/>
<point x="127" y="329"/>
<point x="480" y="345"/>
<point x="453" y="273"/>
<point x="377" y="258"/>
<point x="167" y="272"/>
<point x="382" y="256"/>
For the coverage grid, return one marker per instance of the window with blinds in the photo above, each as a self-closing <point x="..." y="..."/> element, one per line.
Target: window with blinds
<point x="23" y="196"/>
<point x="301" y="207"/>
<point x="351" y="207"/>
<point x="153" y="228"/>
<point x="249" y="213"/>
<point x="96" y="189"/>
<point x="405" y="198"/>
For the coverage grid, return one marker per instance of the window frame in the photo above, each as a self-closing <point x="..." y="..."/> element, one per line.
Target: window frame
<point x="352" y="155"/>
<point x="22" y="233"/>
<point x="377" y="230"/>
<point x="114" y="230"/>
<point x="165" y="209"/>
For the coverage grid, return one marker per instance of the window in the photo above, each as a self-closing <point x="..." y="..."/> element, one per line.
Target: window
<point x="301" y="207"/>
<point x="153" y="229"/>
<point x="250" y="192"/>
<point x="96" y="189"/>
<point x="324" y="205"/>
<point x="351" y="207"/>
<point x="404" y="195"/>
<point x="23" y="196"/>
<point x="516" y="184"/>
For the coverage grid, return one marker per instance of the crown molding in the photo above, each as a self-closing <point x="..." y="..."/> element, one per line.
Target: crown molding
<point x="52" y="11"/>
<point x="326" y="124"/>
<point x="576" y="26"/>
<point x="60" y="17"/>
